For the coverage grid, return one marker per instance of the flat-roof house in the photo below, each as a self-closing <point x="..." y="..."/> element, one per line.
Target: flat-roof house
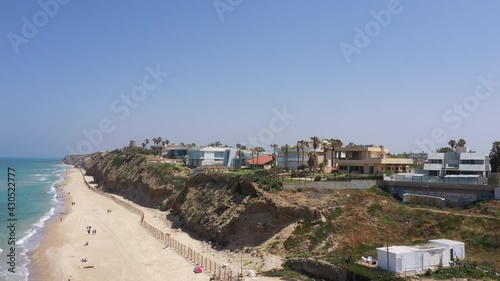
<point x="369" y="159"/>
<point x="459" y="162"/>
<point x="201" y="156"/>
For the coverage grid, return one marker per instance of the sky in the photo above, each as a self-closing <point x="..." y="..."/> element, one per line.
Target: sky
<point x="84" y="76"/>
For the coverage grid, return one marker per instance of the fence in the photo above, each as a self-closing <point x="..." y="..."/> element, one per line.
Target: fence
<point x="220" y="272"/>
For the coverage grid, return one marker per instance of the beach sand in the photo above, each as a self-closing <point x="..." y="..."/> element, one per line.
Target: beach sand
<point x="120" y="250"/>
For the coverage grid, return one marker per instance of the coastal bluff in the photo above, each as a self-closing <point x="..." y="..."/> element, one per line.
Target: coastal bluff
<point x="231" y="211"/>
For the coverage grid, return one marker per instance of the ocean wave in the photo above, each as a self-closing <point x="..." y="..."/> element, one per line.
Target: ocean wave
<point x="38" y="225"/>
<point x="1" y="250"/>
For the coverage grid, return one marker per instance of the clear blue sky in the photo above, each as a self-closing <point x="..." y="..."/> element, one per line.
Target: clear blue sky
<point x="228" y="73"/>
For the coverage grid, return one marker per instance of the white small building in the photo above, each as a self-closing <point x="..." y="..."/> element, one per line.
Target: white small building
<point x="419" y="258"/>
<point x="451" y="248"/>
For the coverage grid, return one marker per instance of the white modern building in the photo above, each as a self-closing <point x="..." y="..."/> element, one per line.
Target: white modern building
<point x="459" y="162"/>
<point x="293" y="160"/>
<point x="419" y="258"/>
<point x="202" y="156"/>
<point x="224" y="156"/>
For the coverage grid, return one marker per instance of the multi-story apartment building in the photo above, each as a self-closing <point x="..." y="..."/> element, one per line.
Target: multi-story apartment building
<point x="459" y="162"/>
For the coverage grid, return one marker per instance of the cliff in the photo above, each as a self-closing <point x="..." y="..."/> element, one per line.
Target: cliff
<point x="232" y="211"/>
<point x="75" y="160"/>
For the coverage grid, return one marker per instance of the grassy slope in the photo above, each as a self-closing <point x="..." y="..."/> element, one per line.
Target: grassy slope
<point x="370" y="218"/>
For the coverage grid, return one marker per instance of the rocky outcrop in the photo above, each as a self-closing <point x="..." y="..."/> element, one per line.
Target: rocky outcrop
<point x="75" y="160"/>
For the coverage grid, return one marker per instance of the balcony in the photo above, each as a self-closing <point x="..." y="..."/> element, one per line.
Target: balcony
<point x="433" y="167"/>
<point x="472" y="156"/>
<point x="469" y="167"/>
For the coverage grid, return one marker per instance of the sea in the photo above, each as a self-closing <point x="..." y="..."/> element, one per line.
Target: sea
<point x="36" y="202"/>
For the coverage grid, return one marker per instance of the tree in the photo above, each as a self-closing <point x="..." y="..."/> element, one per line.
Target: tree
<point x="253" y="152"/>
<point x="258" y="150"/>
<point x="444" y="149"/>
<point x="315" y="142"/>
<point x="143" y="145"/>
<point x="274" y="146"/>
<point x="325" y="145"/>
<point x="303" y="145"/>
<point x="311" y="162"/>
<point x="297" y="148"/>
<point x="334" y="144"/>
<point x="217" y="143"/>
<point x="453" y="144"/>
<point x="285" y="148"/>
<point x="495" y="157"/>
<point x="146" y="141"/>
<point x="461" y="143"/>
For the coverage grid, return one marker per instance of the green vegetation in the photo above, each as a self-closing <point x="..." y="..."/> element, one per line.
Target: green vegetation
<point x="168" y="173"/>
<point x="466" y="270"/>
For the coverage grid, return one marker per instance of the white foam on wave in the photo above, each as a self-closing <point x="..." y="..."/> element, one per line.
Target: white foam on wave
<point x="38" y="225"/>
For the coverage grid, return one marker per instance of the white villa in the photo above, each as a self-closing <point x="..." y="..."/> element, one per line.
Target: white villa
<point x="459" y="162"/>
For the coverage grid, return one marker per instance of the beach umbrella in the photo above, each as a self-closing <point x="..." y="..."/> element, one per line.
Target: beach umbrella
<point x="197" y="269"/>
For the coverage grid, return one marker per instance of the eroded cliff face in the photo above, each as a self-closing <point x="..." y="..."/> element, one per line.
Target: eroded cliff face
<point x="229" y="210"/>
<point x="234" y="212"/>
<point x="130" y="176"/>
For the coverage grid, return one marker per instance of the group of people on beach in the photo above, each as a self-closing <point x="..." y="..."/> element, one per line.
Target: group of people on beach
<point x="108" y="210"/>
<point x="73" y="203"/>
<point x="89" y="229"/>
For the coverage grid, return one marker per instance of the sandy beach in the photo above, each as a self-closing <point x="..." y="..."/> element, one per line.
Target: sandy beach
<point x="120" y="250"/>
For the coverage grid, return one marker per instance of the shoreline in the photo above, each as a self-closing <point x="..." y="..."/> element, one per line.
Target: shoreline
<point x="38" y="266"/>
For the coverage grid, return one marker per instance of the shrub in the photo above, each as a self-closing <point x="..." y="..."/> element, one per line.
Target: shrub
<point x="317" y="178"/>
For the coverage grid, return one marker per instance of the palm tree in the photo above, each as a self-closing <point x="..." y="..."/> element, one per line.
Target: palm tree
<point x="325" y="145"/>
<point x="297" y="147"/>
<point x="167" y="142"/>
<point x="285" y="148"/>
<point x="146" y="141"/>
<point x="334" y="144"/>
<point x="217" y="143"/>
<point x="303" y="145"/>
<point x="315" y="142"/>
<point x="143" y="145"/>
<point x="461" y="143"/>
<point x="274" y="146"/>
<point x="253" y="152"/>
<point x="258" y="150"/>
<point x="452" y="144"/>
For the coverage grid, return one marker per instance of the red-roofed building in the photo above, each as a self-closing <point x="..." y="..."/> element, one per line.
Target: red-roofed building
<point x="261" y="162"/>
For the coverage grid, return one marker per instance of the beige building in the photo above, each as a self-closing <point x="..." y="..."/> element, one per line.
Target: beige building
<point x="370" y="159"/>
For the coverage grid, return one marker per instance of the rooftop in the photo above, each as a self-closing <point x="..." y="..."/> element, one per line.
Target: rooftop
<point x="260" y="160"/>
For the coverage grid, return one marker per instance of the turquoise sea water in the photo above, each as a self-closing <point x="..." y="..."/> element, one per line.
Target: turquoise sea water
<point x="36" y="202"/>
